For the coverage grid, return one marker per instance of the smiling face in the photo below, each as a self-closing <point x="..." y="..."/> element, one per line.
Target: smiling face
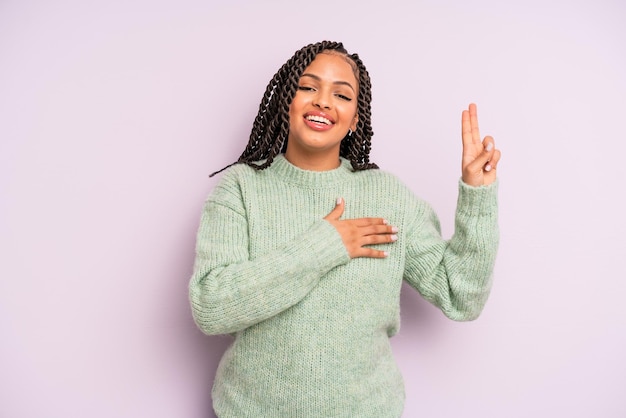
<point x="322" y="111"/>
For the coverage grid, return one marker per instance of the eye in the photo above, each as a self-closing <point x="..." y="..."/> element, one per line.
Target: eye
<point x="346" y="98"/>
<point x="305" y="88"/>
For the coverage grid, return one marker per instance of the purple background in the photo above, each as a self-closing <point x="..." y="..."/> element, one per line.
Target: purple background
<point x="113" y="113"/>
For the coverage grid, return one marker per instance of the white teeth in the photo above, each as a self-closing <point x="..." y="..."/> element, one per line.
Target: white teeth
<point x="319" y="119"/>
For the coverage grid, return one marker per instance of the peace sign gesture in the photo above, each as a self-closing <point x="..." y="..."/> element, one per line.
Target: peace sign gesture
<point x="480" y="158"/>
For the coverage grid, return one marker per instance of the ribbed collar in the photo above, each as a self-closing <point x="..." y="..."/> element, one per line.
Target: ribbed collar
<point x="289" y="173"/>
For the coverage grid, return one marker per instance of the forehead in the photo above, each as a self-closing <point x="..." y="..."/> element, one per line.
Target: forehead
<point x="332" y="67"/>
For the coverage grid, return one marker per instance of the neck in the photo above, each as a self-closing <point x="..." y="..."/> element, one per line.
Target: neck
<point x="314" y="161"/>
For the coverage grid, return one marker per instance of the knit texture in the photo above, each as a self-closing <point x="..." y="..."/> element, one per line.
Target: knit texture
<point x="311" y="326"/>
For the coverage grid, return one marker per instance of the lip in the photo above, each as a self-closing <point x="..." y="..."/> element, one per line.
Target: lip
<point x="318" y="126"/>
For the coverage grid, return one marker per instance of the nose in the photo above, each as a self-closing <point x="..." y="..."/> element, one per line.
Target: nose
<point x="322" y="99"/>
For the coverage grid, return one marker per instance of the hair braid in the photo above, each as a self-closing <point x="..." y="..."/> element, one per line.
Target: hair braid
<point x="270" y="128"/>
<point x="356" y="147"/>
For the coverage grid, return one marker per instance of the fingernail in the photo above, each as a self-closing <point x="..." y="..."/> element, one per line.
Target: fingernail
<point x="339" y="200"/>
<point x="488" y="167"/>
<point x="385" y="253"/>
<point x="385" y="222"/>
<point x="394" y="229"/>
<point x="489" y="146"/>
<point x="394" y="237"/>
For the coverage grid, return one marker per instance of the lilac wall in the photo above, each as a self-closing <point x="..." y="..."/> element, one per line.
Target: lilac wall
<point x="113" y="114"/>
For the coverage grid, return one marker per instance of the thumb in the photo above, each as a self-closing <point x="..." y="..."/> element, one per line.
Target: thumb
<point x="336" y="213"/>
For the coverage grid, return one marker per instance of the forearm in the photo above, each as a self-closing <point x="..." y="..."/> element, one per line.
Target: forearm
<point x="456" y="275"/>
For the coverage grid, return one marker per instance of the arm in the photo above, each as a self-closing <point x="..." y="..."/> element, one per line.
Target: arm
<point x="455" y="275"/>
<point x="230" y="292"/>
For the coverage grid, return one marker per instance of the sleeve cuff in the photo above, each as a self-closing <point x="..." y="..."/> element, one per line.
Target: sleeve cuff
<point x="477" y="200"/>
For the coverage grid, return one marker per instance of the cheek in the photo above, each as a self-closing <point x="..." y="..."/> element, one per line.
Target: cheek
<point x="294" y="106"/>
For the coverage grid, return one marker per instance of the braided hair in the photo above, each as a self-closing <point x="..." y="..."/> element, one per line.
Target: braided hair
<point x="271" y="125"/>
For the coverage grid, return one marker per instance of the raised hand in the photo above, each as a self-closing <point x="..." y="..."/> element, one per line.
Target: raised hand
<point x="480" y="158"/>
<point x="358" y="233"/>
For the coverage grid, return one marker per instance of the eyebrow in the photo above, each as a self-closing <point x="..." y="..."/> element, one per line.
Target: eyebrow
<point x="313" y="76"/>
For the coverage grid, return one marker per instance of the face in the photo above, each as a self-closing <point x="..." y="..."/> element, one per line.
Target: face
<point x="323" y="109"/>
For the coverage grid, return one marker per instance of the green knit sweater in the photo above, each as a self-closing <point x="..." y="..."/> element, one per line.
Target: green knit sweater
<point x="311" y="326"/>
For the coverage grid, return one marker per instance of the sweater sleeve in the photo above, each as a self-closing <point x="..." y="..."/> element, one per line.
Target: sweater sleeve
<point x="455" y="275"/>
<point x="228" y="291"/>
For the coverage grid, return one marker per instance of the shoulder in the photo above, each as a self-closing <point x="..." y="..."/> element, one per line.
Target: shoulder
<point x="239" y="173"/>
<point x="228" y="190"/>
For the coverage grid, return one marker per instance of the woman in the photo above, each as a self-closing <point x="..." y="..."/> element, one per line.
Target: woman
<point x="304" y="244"/>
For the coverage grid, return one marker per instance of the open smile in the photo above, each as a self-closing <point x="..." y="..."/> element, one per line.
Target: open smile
<point x="318" y="121"/>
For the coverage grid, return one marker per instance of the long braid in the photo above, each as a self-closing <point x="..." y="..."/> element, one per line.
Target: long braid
<point x="270" y="129"/>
